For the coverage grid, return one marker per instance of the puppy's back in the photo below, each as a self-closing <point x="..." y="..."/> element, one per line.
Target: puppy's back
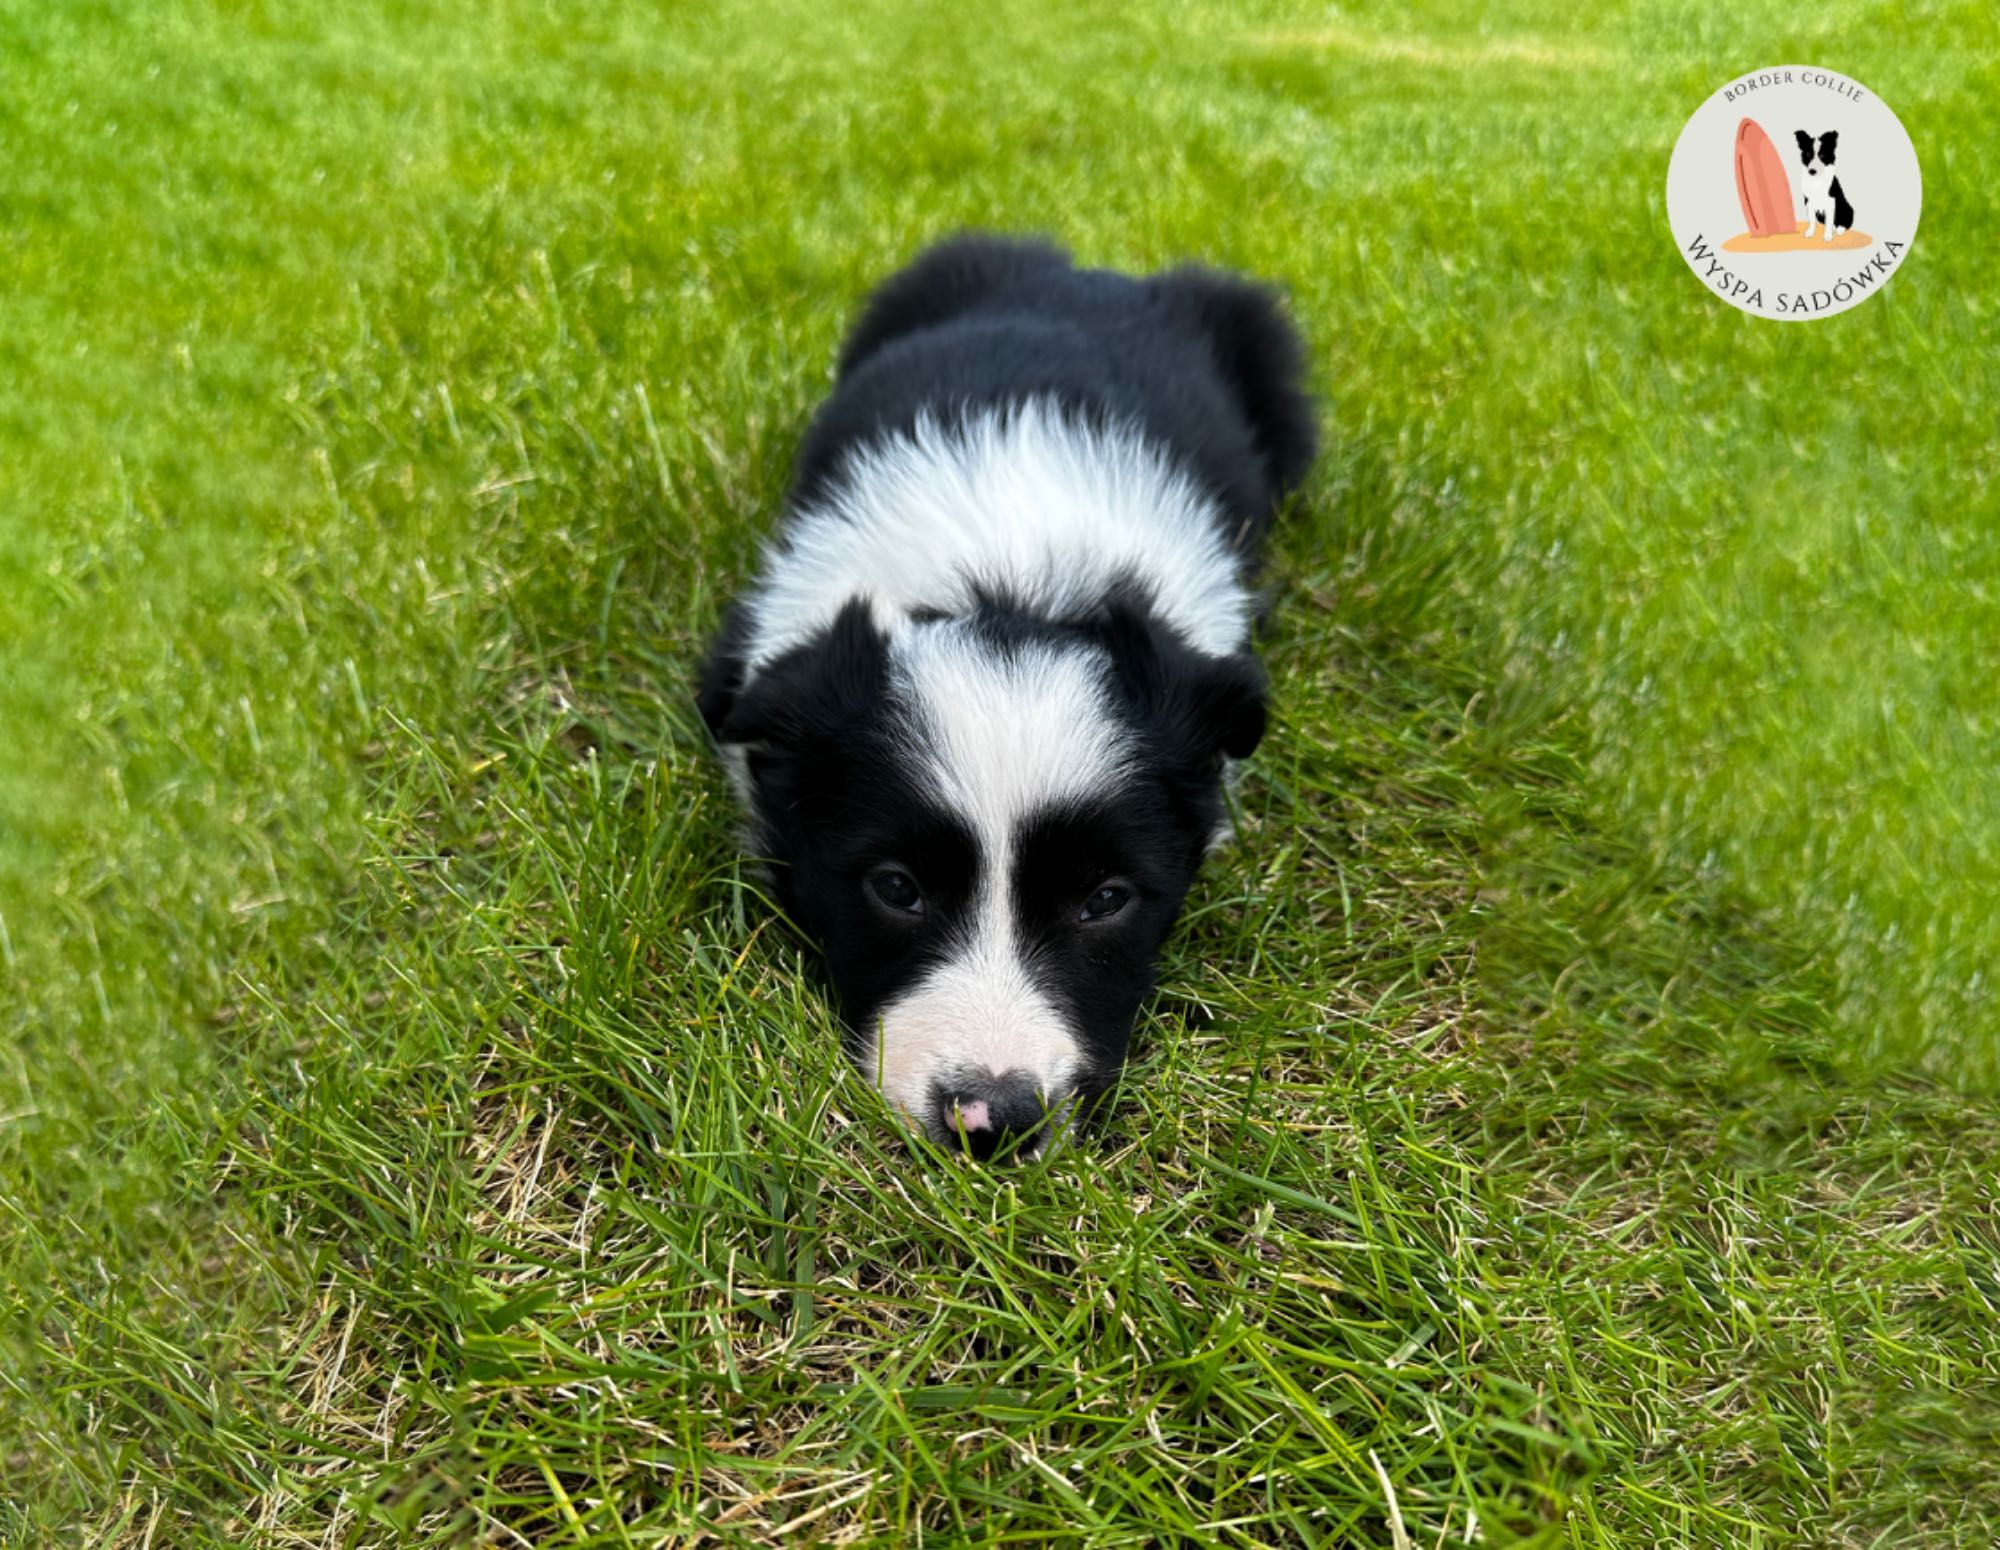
<point x="1204" y="366"/>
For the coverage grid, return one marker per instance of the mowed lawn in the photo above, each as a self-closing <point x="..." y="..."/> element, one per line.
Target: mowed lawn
<point x="1567" y="1114"/>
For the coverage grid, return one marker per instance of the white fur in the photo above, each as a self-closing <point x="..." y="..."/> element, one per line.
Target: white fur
<point x="999" y="736"/>
<point x="978" y="1010"/>
<point x="1002" y="734"/>
<point x="1023" y="500"/>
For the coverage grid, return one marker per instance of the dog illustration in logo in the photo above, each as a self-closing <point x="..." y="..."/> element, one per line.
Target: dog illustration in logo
<point x="1821" y="198"/>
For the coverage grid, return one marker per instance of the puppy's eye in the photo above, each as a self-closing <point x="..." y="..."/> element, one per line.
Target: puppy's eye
<point x="1106" y="902"/>
<point x="897" y="889"/>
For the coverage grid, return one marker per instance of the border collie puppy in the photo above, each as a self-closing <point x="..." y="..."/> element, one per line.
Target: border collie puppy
<point x="1821" y="198"/>
<point x="979" y="700"/>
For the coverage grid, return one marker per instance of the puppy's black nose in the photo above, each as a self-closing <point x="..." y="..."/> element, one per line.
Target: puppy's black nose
<point x="988" y="1115"/>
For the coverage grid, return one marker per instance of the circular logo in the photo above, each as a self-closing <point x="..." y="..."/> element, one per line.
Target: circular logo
<point x="1793" y="193"/>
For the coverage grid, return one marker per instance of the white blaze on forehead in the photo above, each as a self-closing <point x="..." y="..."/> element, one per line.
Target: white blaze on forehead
<point x="999" y="736"/>
<point x="1026" y="501"/>
<point x="1002" y="733"/>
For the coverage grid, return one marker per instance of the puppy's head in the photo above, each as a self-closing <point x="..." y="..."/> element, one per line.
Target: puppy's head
<point x="988" y="822"/>
<point x="1817" y="156"/>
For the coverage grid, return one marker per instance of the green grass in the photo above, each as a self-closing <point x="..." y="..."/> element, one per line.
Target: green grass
<point x="1566" y="1117"/>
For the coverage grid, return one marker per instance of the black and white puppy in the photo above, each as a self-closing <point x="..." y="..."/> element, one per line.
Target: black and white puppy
<point x="1821" y="198"/>
<point x="979" y="701"/>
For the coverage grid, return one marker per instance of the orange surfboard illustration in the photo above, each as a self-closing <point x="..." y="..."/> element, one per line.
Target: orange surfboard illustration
<point x="1762" y="187"/>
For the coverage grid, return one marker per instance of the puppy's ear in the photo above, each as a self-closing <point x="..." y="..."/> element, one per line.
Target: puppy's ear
<point x="722" y="671"/>
<point x="1805" y="143"/>
<point x="1198" y="707"/>
<point x="813" y="693"/>
<point x="1827" y="142"/>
